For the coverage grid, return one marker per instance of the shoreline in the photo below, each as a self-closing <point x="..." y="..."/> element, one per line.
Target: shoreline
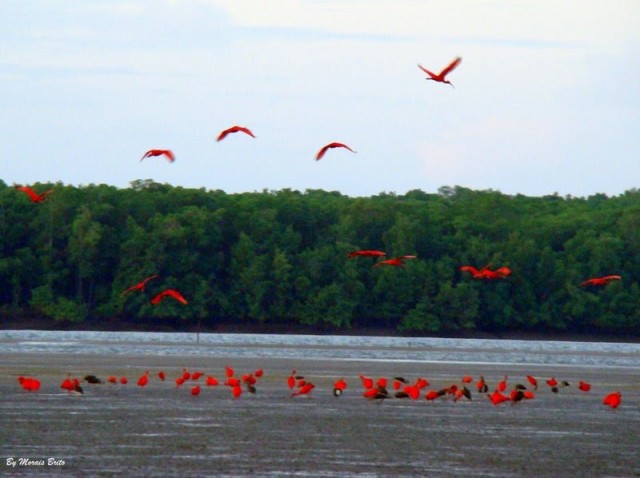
<point x="242" y="327"/>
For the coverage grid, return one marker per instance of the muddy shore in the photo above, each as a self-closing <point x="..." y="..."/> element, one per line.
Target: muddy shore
<point x="162" y="430"/>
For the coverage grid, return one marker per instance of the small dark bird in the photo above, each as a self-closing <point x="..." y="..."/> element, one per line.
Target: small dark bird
<point x="92" y="379"/>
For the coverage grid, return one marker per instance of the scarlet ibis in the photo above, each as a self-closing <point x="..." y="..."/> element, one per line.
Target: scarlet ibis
<point x="161" y="375"/>
<point x="497" y="398"/>
<point x="236" y="391"/>
<point x="123" y="380"/>
<point x="112" y="379"/>
<point x="144" y="379"/>
<point x="533" y="381"/>
<point x="395" y="261"/>
<point x="229" y="371"/>
<point x="71" y="385"/>
<point x="584" y="386"/>
<point x="481" y="385"/>
<point x="259" y="373"/>
<point x="431" y="395"/>
<point x="441" y="77"/>
<point x="234" y="129"/>
<point x="30" y="384"/>
<point x="195" y="390"/>
<point x="412" y="391"/>
<point x="338" y="387"/>
<point x="140" y="285"/>
<point x="324" y="149"/>
<point x="502" y="385"/>
<point x="212" y="381"/>
<point x="34" y="196"/>
<point x="613" y="399"/>
<point x="366" y="253"/>
<point x="304" y="390"/>
<point x="467" y="379"/>
<point x="367" y="382"/>
<point x="169" y="293"/>
<point x="160" y="152"/>
<point x="486" y="273"/>
<point x="377" y="393"/>
<point x="598" y="281"/>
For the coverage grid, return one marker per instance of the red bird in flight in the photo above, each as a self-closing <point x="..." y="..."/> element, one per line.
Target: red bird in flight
<point x="366" y="253"/>
<point x="169" y="293"/>
<point x="34" y="196"/>
<point x="440" y="77"/>
<point x="234" y="129"/>
<point x="395" y="262"/>
<point x="160" y="152"/>
<point x="329" y="146"/>
<point x="597" y="281"/>
<point x="140" y="285"/>
<point x="486" y="273"/>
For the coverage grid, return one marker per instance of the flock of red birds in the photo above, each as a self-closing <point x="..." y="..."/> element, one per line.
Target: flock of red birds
<point x="376" y="390"/>
<point x="484" y="273"/>
<point x="373" y="390"/>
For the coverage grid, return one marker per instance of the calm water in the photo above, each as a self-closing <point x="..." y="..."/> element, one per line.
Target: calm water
<point x="342" y="348"/>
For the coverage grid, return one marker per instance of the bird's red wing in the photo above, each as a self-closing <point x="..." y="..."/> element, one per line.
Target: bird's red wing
<point x="332" y="145"/>
<point x="131" y="289"/>
<point x="450" y="67"/>
<point x="30" y="192"/>
<point x="503" y="271"/>
<point x="222" y="135"/>
<point x="246" y="130"/>
<point x="147" y="279"/>
<point x="168" y="293"/>
<point x="610" y="278"/>
<point x="431" y="74"/>
<point x="366" y="253"/>
<point x="169" y="154"/>
<point x="320" y="153"/>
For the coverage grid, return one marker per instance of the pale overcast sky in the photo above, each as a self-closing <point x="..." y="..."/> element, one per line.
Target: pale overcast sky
<point x="546" y="99"/>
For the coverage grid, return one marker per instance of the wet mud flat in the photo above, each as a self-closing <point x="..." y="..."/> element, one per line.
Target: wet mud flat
<point x="161" y="430"/>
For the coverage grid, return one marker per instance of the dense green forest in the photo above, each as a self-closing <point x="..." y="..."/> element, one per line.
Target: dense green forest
<point x="280" y="257"/>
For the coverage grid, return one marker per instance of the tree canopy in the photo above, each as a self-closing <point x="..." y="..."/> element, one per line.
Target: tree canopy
<point x="280" y="257"/>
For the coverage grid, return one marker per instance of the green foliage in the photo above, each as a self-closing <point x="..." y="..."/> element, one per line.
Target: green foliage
<point x="281" y="257"/>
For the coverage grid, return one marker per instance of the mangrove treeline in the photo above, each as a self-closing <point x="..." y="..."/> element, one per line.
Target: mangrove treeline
<point x="280" y="257"/>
